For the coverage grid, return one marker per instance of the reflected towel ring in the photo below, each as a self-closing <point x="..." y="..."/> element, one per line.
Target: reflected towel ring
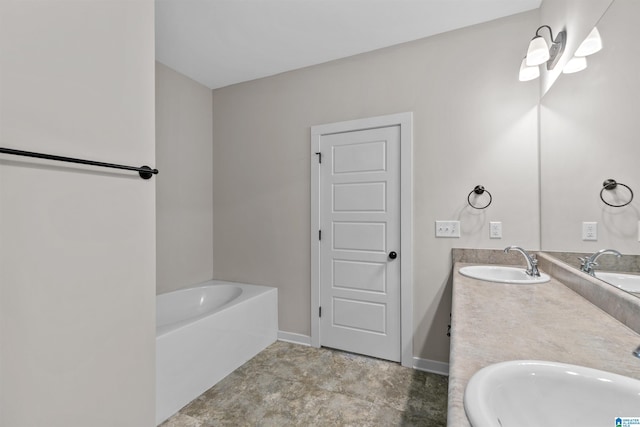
<point x="479" y="189"/>
<point x="611" y="184"/>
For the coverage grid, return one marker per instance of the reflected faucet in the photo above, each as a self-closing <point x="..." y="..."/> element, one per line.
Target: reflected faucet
<point x="588" y="264"/>
<point x="532" y="262"/>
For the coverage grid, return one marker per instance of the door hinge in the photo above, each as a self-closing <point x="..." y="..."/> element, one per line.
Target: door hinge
<point x="319" y="234"/>
<point x="320" y="311"/>
<point x="319" y="157"/>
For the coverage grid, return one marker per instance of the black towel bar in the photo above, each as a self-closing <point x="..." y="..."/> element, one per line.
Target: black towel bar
<point x="145" y="172"/>
<point x="611" y="184"/>
<point x="478" y="190"/>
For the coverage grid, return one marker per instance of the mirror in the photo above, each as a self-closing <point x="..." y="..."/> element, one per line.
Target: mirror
<point x="590" y="132"/>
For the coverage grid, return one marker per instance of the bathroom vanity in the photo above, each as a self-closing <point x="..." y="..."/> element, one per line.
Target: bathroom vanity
<point x="572" y="318"/>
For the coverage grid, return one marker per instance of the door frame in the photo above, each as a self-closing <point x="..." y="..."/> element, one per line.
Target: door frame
<point x="405" y="121"/>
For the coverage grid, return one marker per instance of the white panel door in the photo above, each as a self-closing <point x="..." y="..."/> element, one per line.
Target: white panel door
<point x="360" y="242"/>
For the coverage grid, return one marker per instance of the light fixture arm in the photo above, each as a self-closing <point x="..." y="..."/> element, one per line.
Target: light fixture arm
<point x="548" y="28"/>
<point x="557" y="45"/>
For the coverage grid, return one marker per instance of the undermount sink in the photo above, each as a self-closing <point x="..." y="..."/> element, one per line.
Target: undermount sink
<point x="626" y="282"/>
<point x="501" y="274"/>
<point x="528" y="393"/>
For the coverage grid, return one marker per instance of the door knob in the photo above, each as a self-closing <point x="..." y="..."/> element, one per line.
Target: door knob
<point x="393" y="255"/>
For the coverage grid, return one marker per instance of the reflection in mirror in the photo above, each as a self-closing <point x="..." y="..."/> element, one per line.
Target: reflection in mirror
<point x="622" y="272"/>
<point x="589" y="131"/>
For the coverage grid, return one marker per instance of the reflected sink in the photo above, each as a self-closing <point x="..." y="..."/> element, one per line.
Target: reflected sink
<point x="527" y="393"/>
<point x="626" y="282"/>
<point x="497" y="273"/>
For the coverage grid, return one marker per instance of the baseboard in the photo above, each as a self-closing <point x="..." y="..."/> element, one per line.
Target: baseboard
<point x="432" y="366"/>
<point x="294" y="338"/>
<point x="426" y="365"/>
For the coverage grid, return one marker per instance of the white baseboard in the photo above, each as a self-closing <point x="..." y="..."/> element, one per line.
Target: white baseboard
<point x="432" y="366"/>
<point x="294" y="338"/>
<point x="426" y="365"/>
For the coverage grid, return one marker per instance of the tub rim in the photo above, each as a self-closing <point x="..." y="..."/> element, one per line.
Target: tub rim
<point x="249" y="291"/>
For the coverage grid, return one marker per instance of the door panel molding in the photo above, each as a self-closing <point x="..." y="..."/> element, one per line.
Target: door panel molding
<point x="405" y="121"/>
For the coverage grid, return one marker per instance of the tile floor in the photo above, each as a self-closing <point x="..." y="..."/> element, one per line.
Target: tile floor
<point x="293" y="385"/>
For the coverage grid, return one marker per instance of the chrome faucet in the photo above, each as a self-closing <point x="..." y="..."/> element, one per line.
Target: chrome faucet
<point x="532" y="262"/>
<point x="636" y="352"/>
<point x="588" y="264"/>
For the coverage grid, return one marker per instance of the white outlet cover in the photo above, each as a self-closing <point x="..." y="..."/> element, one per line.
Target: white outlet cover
<point x="495" y="230"/>
<point x="589" y="231"/>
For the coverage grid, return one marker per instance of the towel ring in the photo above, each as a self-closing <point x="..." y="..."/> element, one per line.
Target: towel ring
<point x="611" y="184"/>
<point x="478" y="190"/>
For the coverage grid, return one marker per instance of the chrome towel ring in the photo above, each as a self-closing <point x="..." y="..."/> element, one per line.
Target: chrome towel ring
<point x="479" y="190"/>
<point x="611" y="184"/>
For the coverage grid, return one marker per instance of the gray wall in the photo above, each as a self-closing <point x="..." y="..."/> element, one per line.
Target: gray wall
<point x="577" y="17"/>
<point x="591" y="137"/>
<point x="77" y="258"/>
<point x="474" y="123"/>
<point x="184" y="188"/>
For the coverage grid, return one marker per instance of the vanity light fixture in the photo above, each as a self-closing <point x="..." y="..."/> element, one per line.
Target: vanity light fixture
<point x="539" y="52"/>
<point x="528" y="73"/>
<point x="575" y="64"/>
<point x="590" y="45"/>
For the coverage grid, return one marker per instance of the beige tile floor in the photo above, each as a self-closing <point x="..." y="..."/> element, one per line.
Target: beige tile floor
<point x="293" y="385"/>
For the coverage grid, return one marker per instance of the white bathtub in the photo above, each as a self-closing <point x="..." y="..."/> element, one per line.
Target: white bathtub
<point x="206" y="332"/>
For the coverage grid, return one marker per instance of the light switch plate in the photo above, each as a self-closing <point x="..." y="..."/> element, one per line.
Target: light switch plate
<point x="447" y="228"/>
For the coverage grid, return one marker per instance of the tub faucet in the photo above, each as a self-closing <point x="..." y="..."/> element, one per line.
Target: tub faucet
<point x="636" y="352"/>
<point x="532" y="262"/>
<point x="588" y="264"/>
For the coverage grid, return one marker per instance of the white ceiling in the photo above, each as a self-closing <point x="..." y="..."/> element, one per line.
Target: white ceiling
<point x="222" y="42"/>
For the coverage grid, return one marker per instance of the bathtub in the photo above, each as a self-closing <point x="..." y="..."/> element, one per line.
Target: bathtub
<point x="206" y="332"/>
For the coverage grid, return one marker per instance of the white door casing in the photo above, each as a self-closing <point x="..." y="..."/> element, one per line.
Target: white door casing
<point x="361" y="200"/>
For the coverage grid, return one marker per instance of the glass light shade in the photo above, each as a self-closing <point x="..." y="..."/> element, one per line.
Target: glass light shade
<point x="590" y="45"/>
<point x="575" y="64"/>
<point x="538" y="52"/>
<point x="528" y="73"/>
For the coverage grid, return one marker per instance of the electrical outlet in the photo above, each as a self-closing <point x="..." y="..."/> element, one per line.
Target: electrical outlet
<point x="495" y="230"/>
<point x="589" y="231"/>
<point x="447" y="228"/>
